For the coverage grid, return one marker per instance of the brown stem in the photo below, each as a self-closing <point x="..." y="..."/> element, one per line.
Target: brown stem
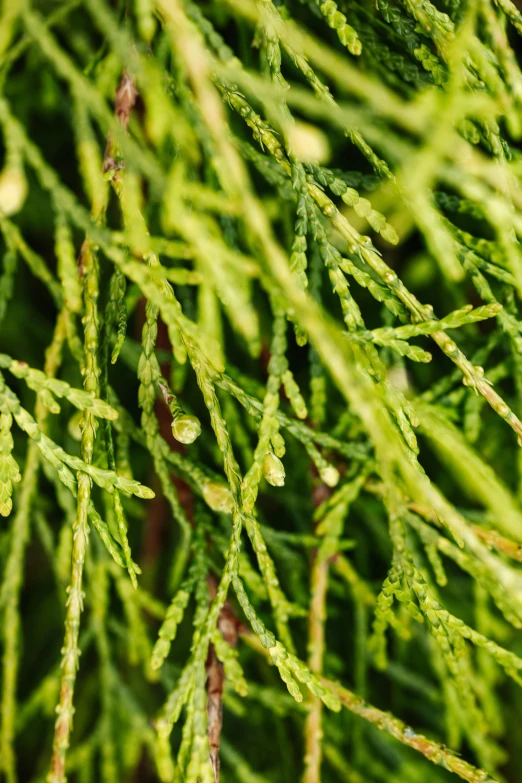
<point x="230" y="628"/>
<point x="215" y="683"/>
<point x="125" y="100"/>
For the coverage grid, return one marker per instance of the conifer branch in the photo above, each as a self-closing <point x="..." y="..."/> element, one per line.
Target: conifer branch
<point x="279" y="207"/>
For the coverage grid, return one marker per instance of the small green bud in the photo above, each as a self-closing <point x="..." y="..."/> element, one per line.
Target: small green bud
<point x="13" y="190"/>
<point x="218" y="497"/>
<point x="186" y="428"/>
<point x="330" y="476"/>
<point x="273" y="470"/>
<point x="308" y="143"/>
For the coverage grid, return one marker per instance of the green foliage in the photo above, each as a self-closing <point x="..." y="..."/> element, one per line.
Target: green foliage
<point x="239" y="450"/>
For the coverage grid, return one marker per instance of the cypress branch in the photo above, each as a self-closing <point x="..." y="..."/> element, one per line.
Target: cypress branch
<point x="238" y="226"/>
